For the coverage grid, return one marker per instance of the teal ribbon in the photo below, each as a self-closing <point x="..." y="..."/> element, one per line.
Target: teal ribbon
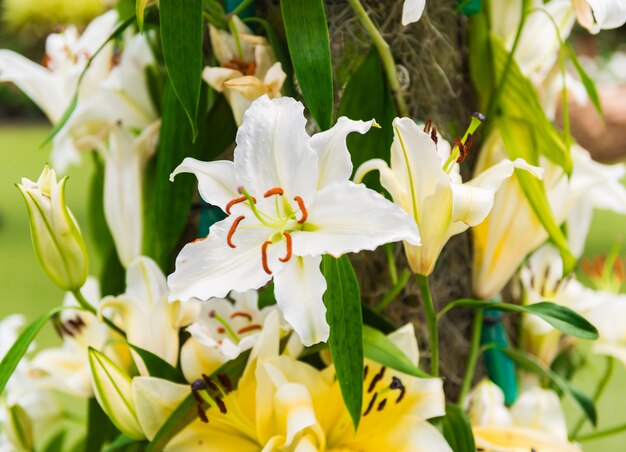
<point x="500" y="368"/>
<point x="469" y="7"/>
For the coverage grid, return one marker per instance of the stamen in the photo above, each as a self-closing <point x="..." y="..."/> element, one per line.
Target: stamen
<point x="371" y="404"/>
<point x="303" y="210"/>
<point x="237" y="201"/>
<point x="396" y="383"/>
<point x="225" y="381"/>
<point x="376" y="379"/>
<point x="264" y="256"/>
<point x="251" y="69"/>
<point x="202" y="415"/>
<point x="241" y="314"/>
<point x="198" y="397"/>
<point x="289" y="248"/>
<point x="365" y="370"/>
<point x="247" y="329"/>
<point x="199" y="239"/>
<point x="209" y="383"/>
<point x="381" y="405"/>
<point x="273" y="191"/>
<point x="433" y="135"/>
<point x="225" y="325"/>
<point x="221" y="405"/>
<point x="464" y="150"/>
<point x="229" y="65"/>
<point x="427" y="125"/>
<point x="232" y="230"/>
<point x="221" y="330"/>
<point x="198" y="385"/>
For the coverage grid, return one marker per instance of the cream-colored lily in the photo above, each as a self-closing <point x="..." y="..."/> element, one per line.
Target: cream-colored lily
<point x="535" y="422"/>
<point x="424" y="180"/>
<point x="596" y="15"/>
<point x="223" y="330"/>
<point x="512" y="230"/>
<point x="67" y="367"/>
<point x="149" y="320"/>
<point x="56" y="236"/>
<point x="284" y="404"/>
<point x="248" y="68"/>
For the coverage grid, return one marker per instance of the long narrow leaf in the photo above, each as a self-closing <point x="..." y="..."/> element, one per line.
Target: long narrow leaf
<point x="157" y="366"/>
<point x="343" y="303"/>
<point x="457" y="430"/>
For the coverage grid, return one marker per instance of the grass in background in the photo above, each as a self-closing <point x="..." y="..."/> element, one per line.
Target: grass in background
<point x="26" y="289"/>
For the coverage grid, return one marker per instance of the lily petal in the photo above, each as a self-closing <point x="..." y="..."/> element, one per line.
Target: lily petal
<point x="347" y="218"/>
<point x="412" y="11"/>
<point x="334" y="160"/>
<point x="299" y="288"/>
<point x="273" y="150"/>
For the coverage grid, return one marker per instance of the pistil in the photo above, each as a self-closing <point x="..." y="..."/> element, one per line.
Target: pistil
<point x="226" y="325"/>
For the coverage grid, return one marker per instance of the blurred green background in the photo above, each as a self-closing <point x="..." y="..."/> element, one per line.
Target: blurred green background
<point x="26" y="289"/>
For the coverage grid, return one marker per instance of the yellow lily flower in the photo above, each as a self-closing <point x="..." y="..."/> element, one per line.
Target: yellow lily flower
<point x="284" y="404"/>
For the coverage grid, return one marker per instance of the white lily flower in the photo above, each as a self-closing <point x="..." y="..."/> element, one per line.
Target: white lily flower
<point x="56" y="236"/>
<point x="222" y="330"/>
<point x="284" y="404"/>
<point x="424" y="180"/>
<point x="596" y="15"/>
<point x="289" y="201"/>
<point x="67" y="367"/>
<point x="248" y="68"/>
<point x="52" y="86"/>
<point x="512" y="230"/>
<point x="535" y="422"/>
<point x="148" y="320"/>
<point x="412" y="11"/>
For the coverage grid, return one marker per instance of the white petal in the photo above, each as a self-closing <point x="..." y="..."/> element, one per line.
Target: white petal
<point x="294" y="409"/>
<point x="404" y="338"/>
<point x="274" y="79"/>
<point x="299" y="288"/>
<point x="540" y="409"/>
<point x="485" y="406"/>
<point x="273" y="150"/>
<point x="334" y="160"/>
<point x="145" y="281"/>
<point x="216" y="180"/>
<point x="211" y="268"/>
<point x="347" y="218"/>
<point x="412" y="11"/>
<point x="216" y="76"/>
<point x="608" y="14"/>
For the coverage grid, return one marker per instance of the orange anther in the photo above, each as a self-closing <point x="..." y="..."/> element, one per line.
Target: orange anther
<point x="237" y="201"/>
<point x="303" y="210"/>
<point x="288" y="242"/>
<point x="273" y="191"/>
<point x="247" y="329"/>
<point x="199" y="239"/>
<point x="232" y="230"/>
<point x="251" y="69"/>
<point x="241" y="314"/>
<point x="264" y="256"/>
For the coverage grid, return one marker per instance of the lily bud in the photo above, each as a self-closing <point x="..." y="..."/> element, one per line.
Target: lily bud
<point x="113" y="390"/>
<point x="57" y="239"/>
<point x="19" y="428"/>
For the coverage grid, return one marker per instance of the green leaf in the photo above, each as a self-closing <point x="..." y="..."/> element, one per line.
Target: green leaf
<point x="221" y="129"/>
<point x="56" y="443"/>
<point x="216" y="14"/>
<point x="187" y="412"/>
<point x="19" y="348"/>
<point x="457" y="430"/>
<point x="588" y="82"/>
<point x="72" y="105"/>
<point x="517" y="135"/>
<point x="158" y="367"/>
<point x="367" y="96"/>
<point x="377" y="320"/>
<point x="519" y="101"/>
<point x="100" y="429"/>
<point x="532" y="364"/>
<point x="22" y="426"/>
<point x="309" y="47"/>
<point x="181" y="36"/>
<point x="560" y="317"/>
<point x="343" y="303"/>
<point x="381" y="349"/>
<point x="140" y="7"/>
<point x="125" y="444"/>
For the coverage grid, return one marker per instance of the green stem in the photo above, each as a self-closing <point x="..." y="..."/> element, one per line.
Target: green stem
<point x="431" y="322"/>
<point x="610" y="366"/>
<point x="391" y="263"/>
<point x="477" y="328"/>
<point x="395" y="290"/>
<point x="389" y="65"/>
<point x="82" y="301"/>
<point x="602" y="433"/>
<point x="493" y="102"/>
<point x="239" y="9"/>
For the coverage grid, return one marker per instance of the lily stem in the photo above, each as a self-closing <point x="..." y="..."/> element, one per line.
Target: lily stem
<point x="82" y="301"/>
<point x="602" y="433"/>
<point x="240" y="7"/>
<point x="391" y="263"/>
<point x="395" y="290"/>
<point x="610" y="365"/>
<point x="389" y="65"/>
<point x="477" y="328"/>
<point x="431" y="322"/>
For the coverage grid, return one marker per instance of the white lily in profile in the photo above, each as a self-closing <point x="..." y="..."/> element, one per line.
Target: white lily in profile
<point x="596" y="15"/>
<point x="424" y="180"/>
<point x="145" y="315"/>
<point x="248" y="68"/>
<point x="284" y="404"/>
<point x="53" y="85"/>
<point x="67" y="367"/>
<point x="289" y="201"/>
<point x="512" y="231"/>
<point x="412" y="11"/>
<point x="222" y="330"/>
<point x="535" y="422"/>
